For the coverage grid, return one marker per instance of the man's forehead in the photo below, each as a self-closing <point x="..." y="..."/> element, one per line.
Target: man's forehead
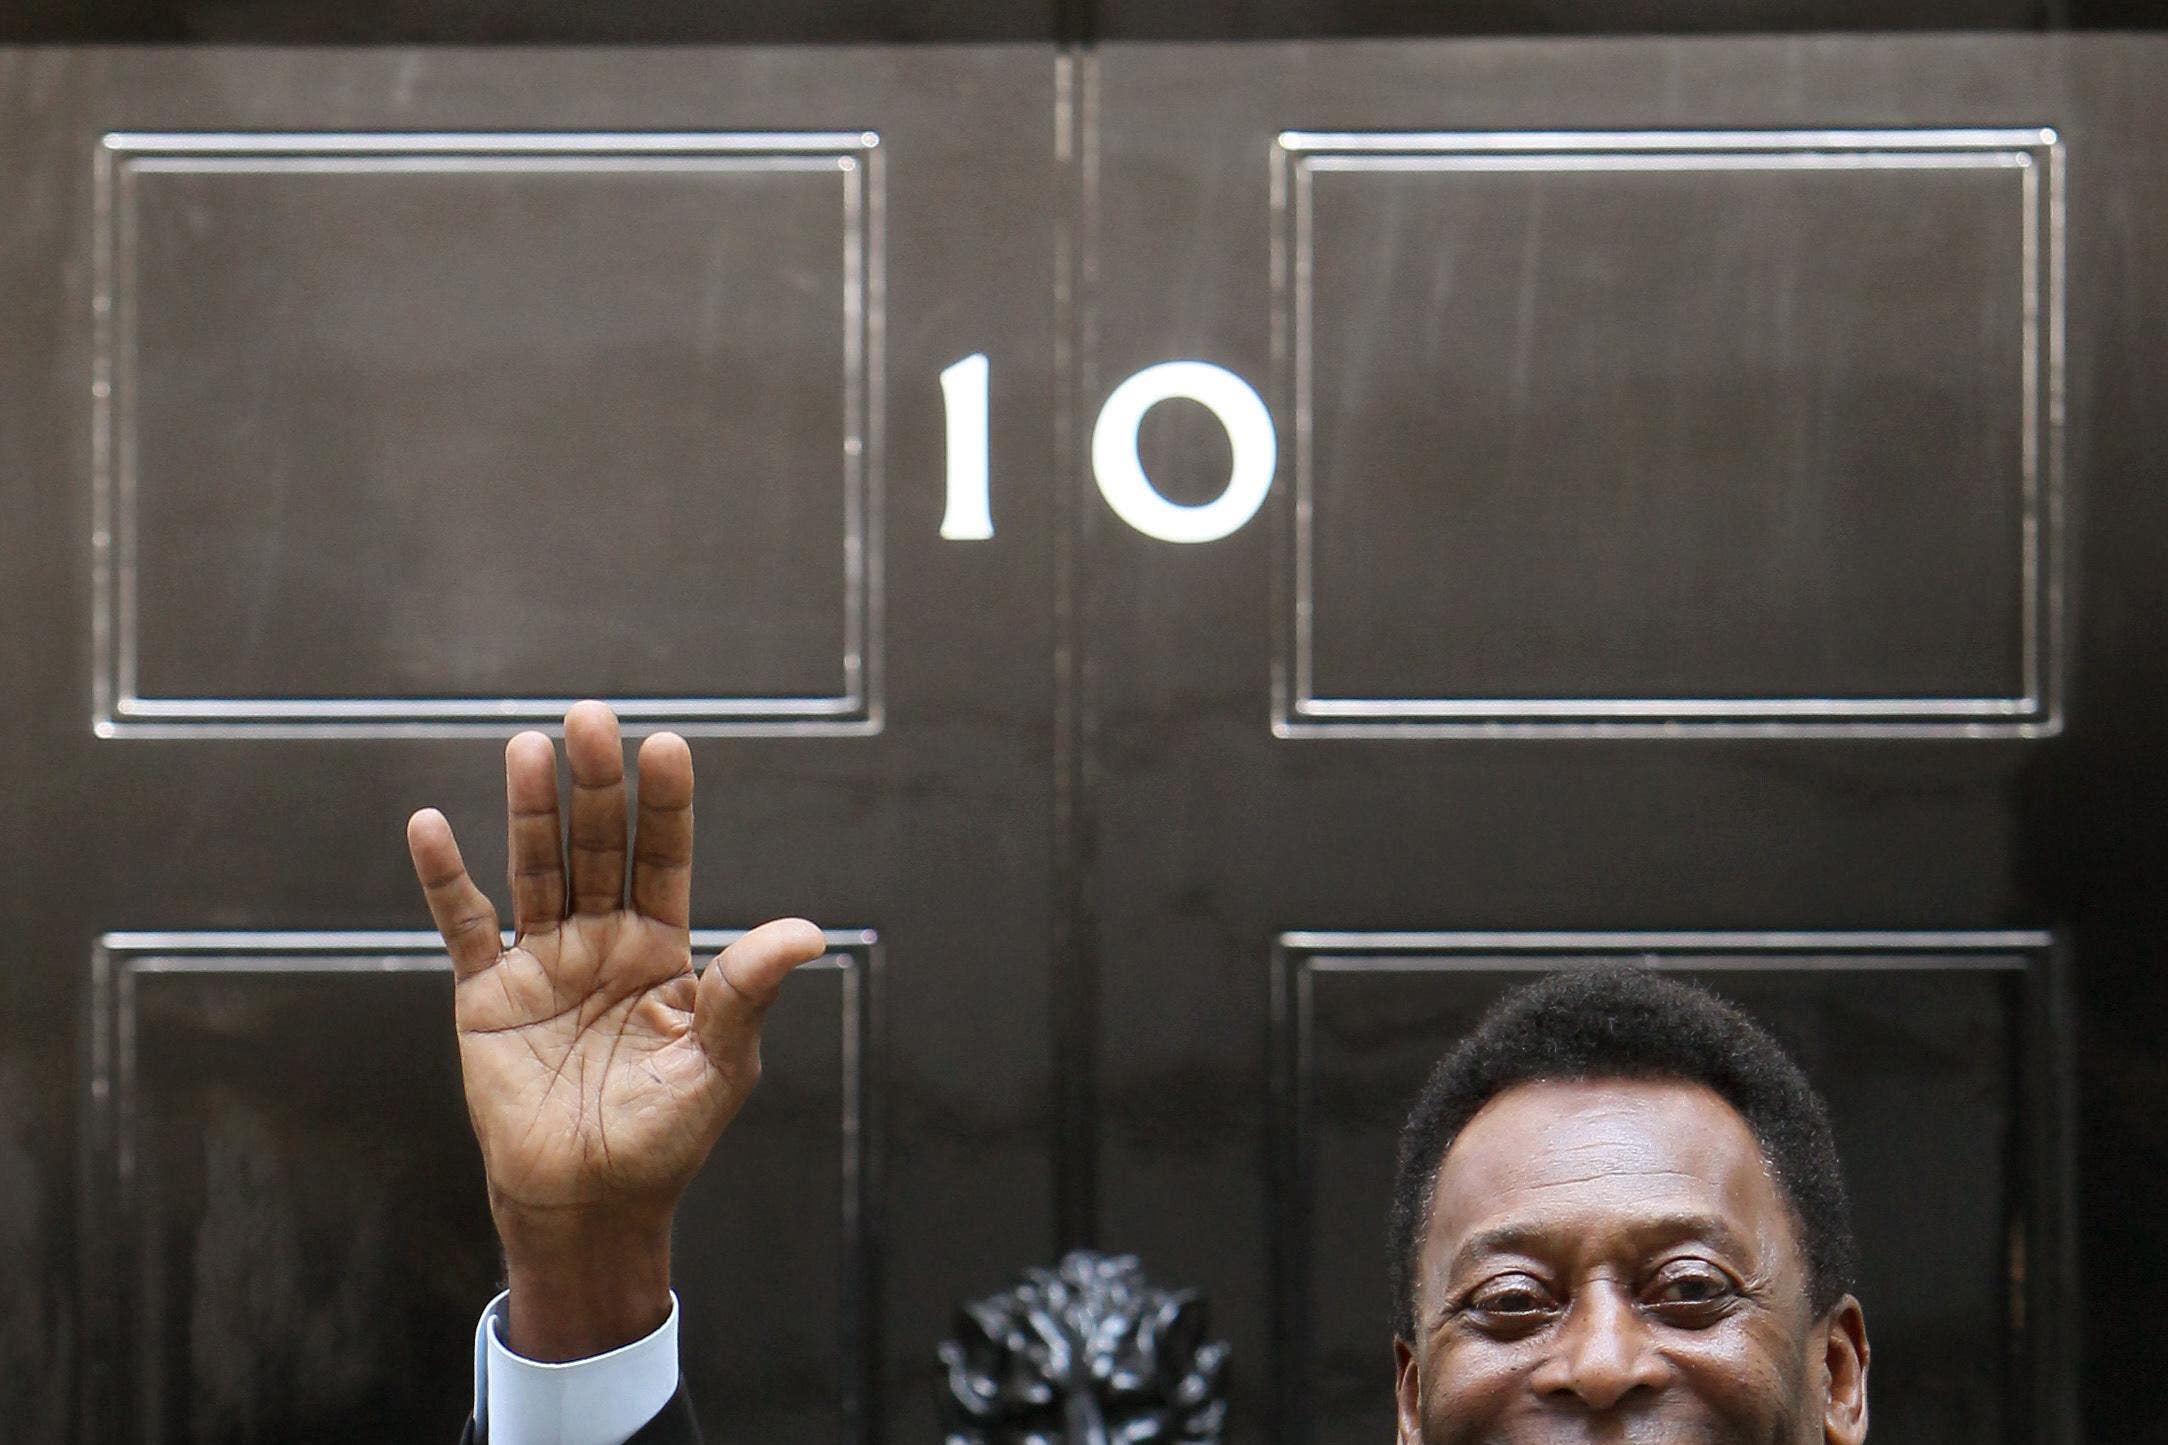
<point x="1617" y="1153"/>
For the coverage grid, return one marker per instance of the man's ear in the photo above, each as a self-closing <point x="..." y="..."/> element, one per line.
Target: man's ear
<point x="1407" y="1395"/>
<point x="1844" y="1374"/>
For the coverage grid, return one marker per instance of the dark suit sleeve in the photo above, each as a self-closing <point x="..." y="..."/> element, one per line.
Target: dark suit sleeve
<point x="675" y="1425"/>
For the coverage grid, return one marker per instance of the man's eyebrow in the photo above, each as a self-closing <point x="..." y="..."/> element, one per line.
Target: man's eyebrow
<point x="1530" y="1237"/>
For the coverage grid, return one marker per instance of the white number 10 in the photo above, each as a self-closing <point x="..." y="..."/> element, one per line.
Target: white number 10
<point x="1120" y="474"/>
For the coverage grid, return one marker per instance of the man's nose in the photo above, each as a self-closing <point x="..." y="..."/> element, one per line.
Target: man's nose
<point x="1603" y="1352"/>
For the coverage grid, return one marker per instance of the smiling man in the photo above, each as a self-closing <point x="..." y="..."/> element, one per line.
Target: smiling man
<point x="1619" y="1220"/>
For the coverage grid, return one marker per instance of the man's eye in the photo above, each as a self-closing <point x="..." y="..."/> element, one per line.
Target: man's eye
<point x="1510" y="1295"/>
<point x="1691" y="1284"/>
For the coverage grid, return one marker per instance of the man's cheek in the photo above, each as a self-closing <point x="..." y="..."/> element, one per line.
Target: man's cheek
<point x="1467" y="1396"/>
<point x="1748" y="1391"/>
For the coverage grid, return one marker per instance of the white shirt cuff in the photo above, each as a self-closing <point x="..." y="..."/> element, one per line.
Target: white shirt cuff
<point x="602" y="1400"/>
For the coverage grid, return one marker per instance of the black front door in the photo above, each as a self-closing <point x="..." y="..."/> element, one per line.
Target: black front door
<point x="1447" y="511"/>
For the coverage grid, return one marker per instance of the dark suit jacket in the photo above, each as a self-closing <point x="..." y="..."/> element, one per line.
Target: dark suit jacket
<point x="674" y="1426"/>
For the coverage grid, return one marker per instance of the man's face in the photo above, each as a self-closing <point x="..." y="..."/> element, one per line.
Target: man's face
<point x="1610" y="1263"/>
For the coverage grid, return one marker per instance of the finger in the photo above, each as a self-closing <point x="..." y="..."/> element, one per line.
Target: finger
<point x="662" y="847"/>
<point x="597" y="756"/>
<point x="744" y="980"/>
<point x="463" y="913"/>
<point x="534" y="852"/>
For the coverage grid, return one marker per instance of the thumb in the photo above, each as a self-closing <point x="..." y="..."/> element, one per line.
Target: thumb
<point x="744" y="979"/>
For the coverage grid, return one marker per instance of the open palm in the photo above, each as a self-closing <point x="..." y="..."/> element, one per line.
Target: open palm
<point x="599" y="1067"/>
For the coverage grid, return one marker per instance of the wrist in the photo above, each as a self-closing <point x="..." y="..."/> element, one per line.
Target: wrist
<point x="584" y="1287"/>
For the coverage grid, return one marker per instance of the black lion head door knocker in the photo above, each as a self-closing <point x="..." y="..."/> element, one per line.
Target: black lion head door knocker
<point x="1086" y="1353"/>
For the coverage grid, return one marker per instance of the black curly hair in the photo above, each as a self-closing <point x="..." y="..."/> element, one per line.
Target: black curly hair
<point x="1628" y="1022"/>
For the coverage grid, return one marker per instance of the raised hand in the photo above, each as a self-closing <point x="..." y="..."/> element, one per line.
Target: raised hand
<point x="599" y="1068"/>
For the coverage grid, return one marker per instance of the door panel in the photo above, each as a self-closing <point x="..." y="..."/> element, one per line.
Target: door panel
<point x="1965" y="1317"/>
<point x="1730" y="425"/>
<point x="283" y="1158"/>
<point x="286" y="1171"/>
<point x="392" y="357"/>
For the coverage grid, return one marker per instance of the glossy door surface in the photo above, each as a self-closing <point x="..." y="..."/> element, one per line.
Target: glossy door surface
<point x="1714" y="518"/>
